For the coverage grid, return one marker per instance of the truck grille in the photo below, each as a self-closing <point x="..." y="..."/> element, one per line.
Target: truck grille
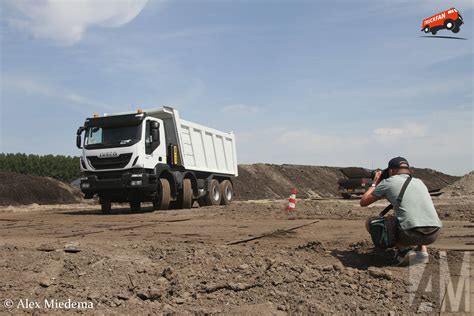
<point x="109" y="163"/>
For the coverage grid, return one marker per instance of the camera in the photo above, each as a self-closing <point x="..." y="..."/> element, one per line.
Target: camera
<point x="383" y="176"/>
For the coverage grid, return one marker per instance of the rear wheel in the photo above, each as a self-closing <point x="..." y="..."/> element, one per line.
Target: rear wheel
<point x="455" y="30"/>
<point x="105" y="206"/>
<point x="186" y="196"/>
<point x="135" y="205"/>
<point x="433" y="32"/>
<point x="227" y="192"/>
<point x="213" y="197"/>
<point x="162" y="202"/>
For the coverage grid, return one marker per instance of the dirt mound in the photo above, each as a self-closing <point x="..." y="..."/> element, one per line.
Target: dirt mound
<point x="16" y="189"/>
<point x="266" y="181"/>
<point x="464" y="186"/>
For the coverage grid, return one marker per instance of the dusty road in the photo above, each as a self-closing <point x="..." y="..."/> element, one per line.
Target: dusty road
<point x="182" y="260"/>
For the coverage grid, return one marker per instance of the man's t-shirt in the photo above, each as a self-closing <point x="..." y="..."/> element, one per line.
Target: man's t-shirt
<point x="416" y="209"/>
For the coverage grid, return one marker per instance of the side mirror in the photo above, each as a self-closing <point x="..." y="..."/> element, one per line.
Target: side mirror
<point x="155" y="131"/>
<point x="78" y="137"/>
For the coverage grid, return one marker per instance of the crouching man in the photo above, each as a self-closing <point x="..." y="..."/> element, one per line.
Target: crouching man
<point x="416" y="222"/>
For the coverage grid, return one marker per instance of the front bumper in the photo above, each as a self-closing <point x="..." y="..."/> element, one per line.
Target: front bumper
<point x="102" y="182"/>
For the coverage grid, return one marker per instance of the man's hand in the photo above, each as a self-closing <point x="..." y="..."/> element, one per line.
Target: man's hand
<point x="368" y="198"/>
<point x="377" y="177"/>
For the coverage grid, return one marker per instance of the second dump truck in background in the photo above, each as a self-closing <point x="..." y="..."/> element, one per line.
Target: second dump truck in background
<point x="357" y="181"/>
<point x="155" y="156"/>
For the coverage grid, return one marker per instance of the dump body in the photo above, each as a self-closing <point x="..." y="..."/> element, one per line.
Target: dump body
<point x="201" y="148"/>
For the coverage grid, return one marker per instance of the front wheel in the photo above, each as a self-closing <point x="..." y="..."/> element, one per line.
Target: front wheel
<point x="449" y="24"/>
<point x="426" y="29"/>
<point x="455" y="30"/>
<point x="162" y="201"/>
<point x="227" y="192"/>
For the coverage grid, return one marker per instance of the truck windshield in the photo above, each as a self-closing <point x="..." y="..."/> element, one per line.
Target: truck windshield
<point x="99" y="137"/>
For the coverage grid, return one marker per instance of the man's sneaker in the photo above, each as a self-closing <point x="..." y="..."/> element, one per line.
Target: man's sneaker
<point x="405" y="256"/>
<point x="421" y="257"/>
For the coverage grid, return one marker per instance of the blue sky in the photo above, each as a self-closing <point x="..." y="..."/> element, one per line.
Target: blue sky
<point x="337" y="83"/>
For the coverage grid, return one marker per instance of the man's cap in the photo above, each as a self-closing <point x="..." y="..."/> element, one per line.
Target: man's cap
<point x="398" y="163"/>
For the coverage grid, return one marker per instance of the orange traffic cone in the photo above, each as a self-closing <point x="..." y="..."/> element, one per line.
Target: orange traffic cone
<point x="291" y="209"/>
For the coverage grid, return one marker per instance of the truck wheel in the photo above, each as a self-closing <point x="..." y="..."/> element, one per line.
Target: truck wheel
<point x="227" y="192"/>
<point x="186" y="197"/>
<point x="135" y="205"/>
<point x="213" y="197"/>
<point x="433" y="32"/>
<point x="449" y="24"/>
<point x="162" y="202"/>
<point x="346" y="196"/>
<point x="105" y="206"/>
<point x="426" y="29"/>
<point x="455" y="30"/>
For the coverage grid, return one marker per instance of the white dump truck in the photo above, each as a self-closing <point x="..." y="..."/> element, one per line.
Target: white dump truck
<point x="155" y="156"/>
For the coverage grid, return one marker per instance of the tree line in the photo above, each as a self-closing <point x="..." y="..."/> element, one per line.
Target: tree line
<point x="65" y="168"/>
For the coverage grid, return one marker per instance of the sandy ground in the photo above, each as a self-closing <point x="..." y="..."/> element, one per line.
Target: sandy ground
<point x="182" y="261"/>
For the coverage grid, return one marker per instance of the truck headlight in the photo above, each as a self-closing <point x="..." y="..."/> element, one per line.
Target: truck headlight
<point x="85" y="185"/>
<point x="136" y="183"/>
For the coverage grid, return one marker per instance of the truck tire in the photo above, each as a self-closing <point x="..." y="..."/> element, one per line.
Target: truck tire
<point x="433" y="32"/>
<point x="455" y="30"/>
<point x="449" y="24"/>
<point x="186" y="197"/>
<point x="213" y="197"/>
<point x="426" y="29"/>
<point x="105" y="206"/>
<point x="227" y="192"/>
<point x="135" y="205"/>
<point x="162" y="202"/>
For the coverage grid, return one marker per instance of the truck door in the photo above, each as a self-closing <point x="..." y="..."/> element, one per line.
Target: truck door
<point x="154" y="143"/>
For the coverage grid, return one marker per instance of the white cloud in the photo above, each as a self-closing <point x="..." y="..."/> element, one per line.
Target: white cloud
<point x="408" y="130"/>
<point x="65" y="22"/>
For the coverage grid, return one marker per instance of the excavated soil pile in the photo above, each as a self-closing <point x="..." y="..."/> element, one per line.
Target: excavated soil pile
<point x="16" y="189"/>
<point x="266" y="181"/>
<point x="464" y="186"/>
<point x="255" y="182"/>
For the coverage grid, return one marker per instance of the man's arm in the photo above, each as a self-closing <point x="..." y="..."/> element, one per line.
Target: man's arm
<point x="368" y="198"/>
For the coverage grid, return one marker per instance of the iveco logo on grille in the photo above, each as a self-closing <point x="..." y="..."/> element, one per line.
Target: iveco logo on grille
<point x="108" y="154"/>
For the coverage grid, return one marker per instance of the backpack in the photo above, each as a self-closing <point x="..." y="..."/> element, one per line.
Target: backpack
<point x="378" y="226"/>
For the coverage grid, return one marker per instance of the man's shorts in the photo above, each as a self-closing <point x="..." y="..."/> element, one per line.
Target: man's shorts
<point x="411" y="237"/>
